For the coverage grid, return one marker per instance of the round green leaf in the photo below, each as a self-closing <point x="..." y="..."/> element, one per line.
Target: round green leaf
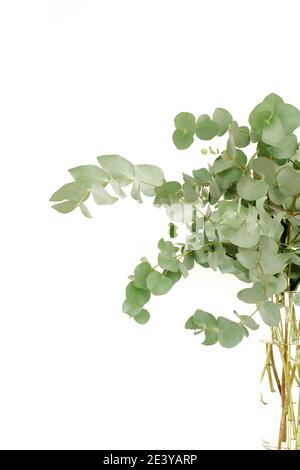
<point x="261" y="116"/>
<point x="286" y="149"/>
<point x="289" y="116"/>
<point x="270" y="313"/>
<point x="265" y="168"/>
<point x="174" y="276"/>
<point x="211" y="337"/>
<point x="238" y="136"/>
<point x="141" y="273"/>
<point x="202" y="176"/>
<point x="253" y="295"/>
<point x="205" y="320"/>
<point x="185" y="122"/>
<point x="229" y="333"/>
<point x="232" y="175"/>
<point x="167" y="261"/>
<point x="223" y="119"/>
<point x="135" y="296"/>
<point x="130" y="309"/>
<point x="274" y="133"/>
<point x="276" y="196"/>
<point x="158" y="284"/>
<point x="168" y="193"/>
<point x="251" y="189"/>
<point x="166" y="246"/>
<point x="142" y="317"/>
<point x="288" y="181"/>
<point x="206" y="129"/>
<point x="189" y="194"/>
<point x="182" y="138"/>
<point x="241" y="236"/>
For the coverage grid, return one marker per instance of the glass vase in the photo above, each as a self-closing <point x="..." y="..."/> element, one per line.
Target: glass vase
<point x="280" y="378"/>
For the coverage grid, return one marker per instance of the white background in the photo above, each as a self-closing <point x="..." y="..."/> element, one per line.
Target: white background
<point x="81" y="78"/>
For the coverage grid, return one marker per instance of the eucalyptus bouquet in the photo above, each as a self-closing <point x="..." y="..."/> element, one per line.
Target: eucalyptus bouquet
<point x="241" y="216"/>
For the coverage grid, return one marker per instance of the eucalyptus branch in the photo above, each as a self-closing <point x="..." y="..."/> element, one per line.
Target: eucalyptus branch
<point x="250" y="200"/>
<point x="248" y="230"/>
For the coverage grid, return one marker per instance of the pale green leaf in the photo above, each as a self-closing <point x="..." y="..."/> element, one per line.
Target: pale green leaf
<point x="265" y="168"/>
<point x="149" y="177"/>
<point x="202" y="176"/>
<point x="89" y="174"/>
<point x="173" y="276"/>
<point x="101" y="196"/>
<point x="135" y="191"/>
<point x="286" y="149"/>
<point x="182" y="139"/>
<point x="65" y="207"/>
<point x="270" y="226"/>
<point x="166" y="246"/>
<point x="85" y="211"/>
<point x="118" y="168"/>
<point x="238" y="136"/>
<point x="270" y="313"/>
<point x="289" y="116"/>
<point x="141" y="273"/>
<point x="223" y="119"/>
<point x="249" y="322"/>
<point x="135" y="296"/>
<point x="117" y="188"/>
<point x="241" y="236"/>
<point x="189" y="194"/>
<point x="158" y="284"/>
<point x="131" y="310"/>
<point x="185" y="121"/>
<point x="167" y="261"/>
<point x="206" y="129"/>
<point x="253" y="295"/>
<point x="74" y="191"/>
<point x="205" y="320"/>
<point x="289" y="181"/>
<point x="251" y="189"/>
<point x="229" y="333"/>
<point x="211" y="337"/>
<point x="142" y="317"/>
<point x="274" y="133"/>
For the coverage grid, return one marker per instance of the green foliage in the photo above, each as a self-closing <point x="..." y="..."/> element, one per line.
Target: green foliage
<point x="227" y="332"/>
<point x="135" y="296"/>
<point x="183" y="136"/>
<point x="244" y="213"/>
<point x="223" y="119"/>
<point x="141" y="273"/>
<point x="270" y="313"/>
<point x="65" y="207"/>
<point x="75" y="191"/>
<point x="206" y="128"/>
<point x="142" y="317"/>
<point x="158" y="284"/>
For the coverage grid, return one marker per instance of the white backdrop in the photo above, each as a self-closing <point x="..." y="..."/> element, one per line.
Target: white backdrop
<point x="81" y="78"/>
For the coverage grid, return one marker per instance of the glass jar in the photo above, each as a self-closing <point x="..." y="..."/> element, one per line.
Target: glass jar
<point x="280" y="378"/>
